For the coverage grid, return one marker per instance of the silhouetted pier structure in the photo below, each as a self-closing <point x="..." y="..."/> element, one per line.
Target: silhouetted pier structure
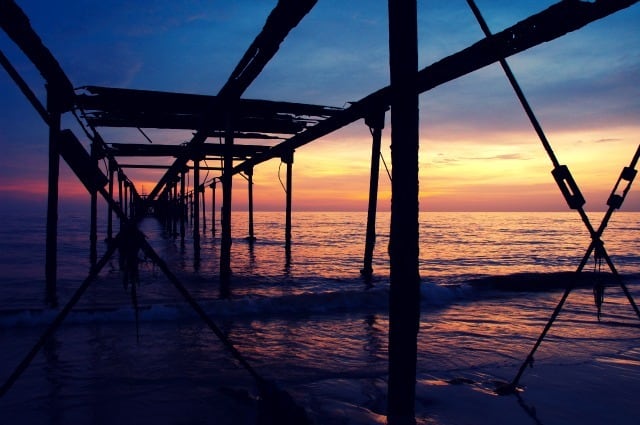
<point x="281" y="128"/>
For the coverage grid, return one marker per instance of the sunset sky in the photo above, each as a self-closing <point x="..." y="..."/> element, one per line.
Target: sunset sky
<point x="478" y="150"/>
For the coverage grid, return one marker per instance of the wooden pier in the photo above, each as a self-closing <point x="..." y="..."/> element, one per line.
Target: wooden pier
<point x="275" y="130"/>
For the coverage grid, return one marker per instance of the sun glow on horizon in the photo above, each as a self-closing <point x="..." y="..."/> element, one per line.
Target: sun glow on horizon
<point x="472" y="173"/>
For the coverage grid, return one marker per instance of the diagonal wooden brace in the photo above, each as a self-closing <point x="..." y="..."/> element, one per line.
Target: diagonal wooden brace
<point x="51" y="329"/>
<point x="575" y="200"/>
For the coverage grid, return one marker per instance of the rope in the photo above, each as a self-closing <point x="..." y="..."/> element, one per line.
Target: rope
<point x="280" y="179"/>
<point x="206" y="176"/>
<point x="385" y="167"/>
<point x="144" y="134"/>
<point x="82" y="125"/>
<point x="598" y="287"/>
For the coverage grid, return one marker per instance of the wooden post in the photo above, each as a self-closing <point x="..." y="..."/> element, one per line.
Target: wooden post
<point x="175" y="205"/>
<point x="288" y="159"/>
<point x="375" y="121"/>
<point x="161" y="207"/>
<point x="196" y="210"/>
<point x="93" y="225"/>
<point x="51" y="260"/>
<point x="213" y="207"/>
<point x="190" y="207"/>
<point x="120" y="193"/>
<point x="130" y="201"/>
<point x="125" y="207"/>
<point x="204" y="212"/>
<point x="109" y="207"/>
<point x="404" y="293"/>
<point x="134" y="201"/>
<point x="227" y="182"/>
<point x="251" y="236"/>
<point x="183" y="205"/>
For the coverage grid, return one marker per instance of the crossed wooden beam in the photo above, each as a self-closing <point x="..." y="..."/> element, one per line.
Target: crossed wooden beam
<point x="614" y="202"/>
<point x="571" y="192"/>
<point x="92" y="178"/>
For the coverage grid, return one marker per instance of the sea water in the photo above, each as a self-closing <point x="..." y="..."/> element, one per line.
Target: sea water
<point x="311" y="324"/>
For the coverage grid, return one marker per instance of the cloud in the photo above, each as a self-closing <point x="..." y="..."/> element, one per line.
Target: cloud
<point x="509" y="156"/>
<point x="610" y="140"/>
<point x="443" y="159"/>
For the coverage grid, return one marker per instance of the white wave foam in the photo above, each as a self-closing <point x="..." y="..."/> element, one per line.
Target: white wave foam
<point x="441" y="295"/>
<point x="329" y="302"/>
<point x="264" y="307"/>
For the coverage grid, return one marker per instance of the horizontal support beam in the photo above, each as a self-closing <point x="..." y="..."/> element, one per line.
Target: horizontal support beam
<point x="245" y="135"/>
<point x="144" y="166"/>
<point x="164" y="167"/>
<point x="112" y="100"/>
<point x="238" y="151"/>
<point x="275" y="125"/>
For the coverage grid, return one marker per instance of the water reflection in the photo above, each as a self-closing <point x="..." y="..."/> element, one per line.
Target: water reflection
<point x="52" y="370"/>
<point x="530" y="410"/>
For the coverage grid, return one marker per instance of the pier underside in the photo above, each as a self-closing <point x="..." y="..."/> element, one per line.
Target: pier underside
<point x="238" y="134"/>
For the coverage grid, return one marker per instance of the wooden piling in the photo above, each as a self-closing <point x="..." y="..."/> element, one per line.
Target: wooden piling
<point x="183" y="205"/>
<point x="120" y="193"/>
<point x="125" y="207"/>
<point x="196" y="211"/>
<point x="51" y="259"/>
<point x="227" y="182"/>
<point x="131" y="200"/>
<point x="404" y="294"/>
<point x="162" y="208"/>
<point x="375" y="121"/>
<point x="288" y="159"/>
<point x="109" y="207"/>
<point x="251" y="236"/>
<point x="213" y="207"/>
<point x="201" y="189"/>
<point x="93" y="225"/>
<point x="175" y="210"/>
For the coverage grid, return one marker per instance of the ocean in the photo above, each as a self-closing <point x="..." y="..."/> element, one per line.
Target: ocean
<point x="318" y="329"/>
